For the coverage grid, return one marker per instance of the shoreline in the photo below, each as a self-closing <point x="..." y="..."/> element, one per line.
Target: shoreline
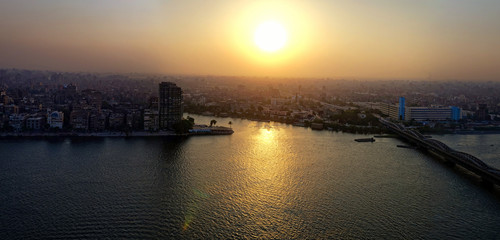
<point x="325" y="128"/>
<point x="35" y="135"/>
<point x="90" y="135"/>
<point x="358" y="129"/>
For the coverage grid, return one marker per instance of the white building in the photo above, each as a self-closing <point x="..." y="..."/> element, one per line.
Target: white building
<point x="35" y="123"/>
<point x="420" y="113"/>
<point x="432" y="113"/>
<point x="56" y="119"/>
<point x="391" y="110"/>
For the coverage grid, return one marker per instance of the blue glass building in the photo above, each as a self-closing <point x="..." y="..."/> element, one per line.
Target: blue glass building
<point x="401" y="108"/>
<point x="455" y="113"/>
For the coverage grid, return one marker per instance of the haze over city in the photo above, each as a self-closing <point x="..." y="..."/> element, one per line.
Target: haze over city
<point x="277" y="119"/>
<point x="387" y="39"/>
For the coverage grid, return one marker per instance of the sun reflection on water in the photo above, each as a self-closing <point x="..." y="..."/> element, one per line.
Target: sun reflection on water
<point x="266" y="135"/>
<point x="268" y="180"/>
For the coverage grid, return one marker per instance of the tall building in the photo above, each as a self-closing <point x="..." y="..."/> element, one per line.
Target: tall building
<point x="456" y="113"/>
<point x="170" y="105"/>
<point x="401" y="114"/>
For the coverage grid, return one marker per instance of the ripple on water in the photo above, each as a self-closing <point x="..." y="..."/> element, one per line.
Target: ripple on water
<point x="265" y="181"/>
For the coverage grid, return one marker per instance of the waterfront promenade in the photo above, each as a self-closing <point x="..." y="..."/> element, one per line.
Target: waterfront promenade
<point x="209" y="131"/>
<point x="96" y="134"/>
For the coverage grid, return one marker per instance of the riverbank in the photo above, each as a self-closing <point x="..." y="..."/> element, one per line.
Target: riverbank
<point x="195" y="131"/>
<point x="98" y="134"/>
<point x="336" y="127"/>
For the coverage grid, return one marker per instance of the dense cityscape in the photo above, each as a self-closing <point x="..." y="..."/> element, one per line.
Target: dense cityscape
<point x="252" y="119"/>
<point x="52" y="102"/>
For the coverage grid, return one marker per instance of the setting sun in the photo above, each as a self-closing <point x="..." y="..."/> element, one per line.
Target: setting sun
<point x="270" y="36"/>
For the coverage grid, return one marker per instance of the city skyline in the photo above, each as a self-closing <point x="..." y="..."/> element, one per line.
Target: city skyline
<point x="261" y="119"/>
<point x="338" y="39"/>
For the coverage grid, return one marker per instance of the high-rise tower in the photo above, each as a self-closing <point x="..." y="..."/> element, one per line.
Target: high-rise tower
<point x="401" y="108"/>
<point x="170" y="105"/>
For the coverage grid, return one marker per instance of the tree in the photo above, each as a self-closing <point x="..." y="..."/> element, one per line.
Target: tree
<point x="213" y="122"/>
<point x="183" y="126"/>
<point x="230" y="123"/>
<point x="191" y="120"/>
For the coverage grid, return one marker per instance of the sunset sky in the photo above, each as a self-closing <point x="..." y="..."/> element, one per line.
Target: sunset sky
<point x="371" y="39"/>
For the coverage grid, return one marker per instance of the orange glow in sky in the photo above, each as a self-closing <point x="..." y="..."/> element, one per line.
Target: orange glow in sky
<point x="339" y="39"/>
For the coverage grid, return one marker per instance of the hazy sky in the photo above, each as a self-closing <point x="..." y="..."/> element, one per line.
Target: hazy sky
<point x="418" y="39"/>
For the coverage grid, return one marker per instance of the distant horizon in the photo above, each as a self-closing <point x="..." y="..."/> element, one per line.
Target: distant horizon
<point x="247" y="76"/>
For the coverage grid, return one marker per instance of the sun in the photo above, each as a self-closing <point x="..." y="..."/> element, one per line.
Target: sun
<point x="270" y="36"/>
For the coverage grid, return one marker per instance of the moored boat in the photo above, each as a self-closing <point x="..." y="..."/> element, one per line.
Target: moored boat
<point x="365" y="140"/>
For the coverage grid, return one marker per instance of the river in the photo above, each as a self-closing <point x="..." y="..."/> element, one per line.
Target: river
<point x="267" y="180"/>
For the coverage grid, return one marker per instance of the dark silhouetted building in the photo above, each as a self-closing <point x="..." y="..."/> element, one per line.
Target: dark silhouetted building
<point x="79" y="120"/>
<point x="170" y="103"/>
<point x="482" y="113"/>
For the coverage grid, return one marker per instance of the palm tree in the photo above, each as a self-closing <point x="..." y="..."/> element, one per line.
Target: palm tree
<point x="230" y="123"/>
<point x="213" y="122"/>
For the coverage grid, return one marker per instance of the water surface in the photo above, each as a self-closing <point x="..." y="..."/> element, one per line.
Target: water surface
<point x="267" y="180"/>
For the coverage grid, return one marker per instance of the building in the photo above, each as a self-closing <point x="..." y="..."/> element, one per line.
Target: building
<point x="456" y="113"/>
<point x="35" y="123"/>
<point x="55" y="119"/>
<point x="401" y="112"/>
<point x="134" y="119"/>
<point x="116" y="120"/>
<point x="97" y="121"/>
<point x="79" y="120"/>
<point x="150" y="120"/>
<point x="390" y="110"/>
<point x="94" y="98"/>
<point x="482" y="113"/>
<point x="170" y="105"/>
<point x="153" y="103"/>
<point x="433" y="113"/>
<point x="17" y="121"/>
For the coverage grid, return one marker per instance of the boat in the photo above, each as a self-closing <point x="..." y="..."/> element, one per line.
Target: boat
<point x="298" y="124"/>
<point x="385" y="136"/>
<point x="205" y="130"/>
<point x="365" y="140"/>
<point x="405" y="146"/>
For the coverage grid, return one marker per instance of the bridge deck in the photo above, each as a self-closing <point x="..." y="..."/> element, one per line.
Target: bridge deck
<point x="466" y="160"/>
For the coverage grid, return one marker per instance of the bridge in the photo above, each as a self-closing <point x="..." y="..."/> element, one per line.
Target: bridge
<point x="488" y="174"/>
